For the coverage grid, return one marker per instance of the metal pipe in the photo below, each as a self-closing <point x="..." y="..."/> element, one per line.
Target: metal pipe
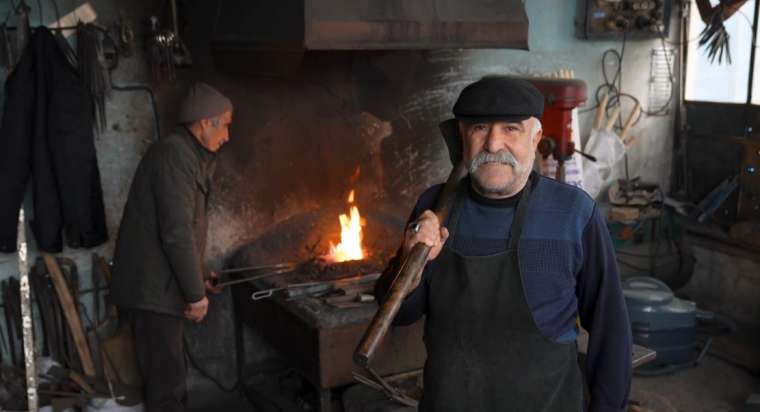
<point x="26" y="318"/>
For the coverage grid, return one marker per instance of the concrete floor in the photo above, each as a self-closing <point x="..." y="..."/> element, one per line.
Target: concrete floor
<point x="205" y="396"/>
<point x="713" y="386"/>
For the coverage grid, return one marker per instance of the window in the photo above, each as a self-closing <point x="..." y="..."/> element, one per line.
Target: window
<point x="723" y="83"/>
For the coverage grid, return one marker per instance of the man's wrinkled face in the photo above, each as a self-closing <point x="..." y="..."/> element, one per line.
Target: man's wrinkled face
<point x="500" y="154"/>
<point x="215" y="132"/>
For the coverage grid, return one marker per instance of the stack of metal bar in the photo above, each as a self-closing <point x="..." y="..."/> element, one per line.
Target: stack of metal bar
<point x="81" y="358"/>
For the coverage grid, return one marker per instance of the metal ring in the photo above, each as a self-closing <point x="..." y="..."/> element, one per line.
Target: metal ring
<point x="416" y="227"/>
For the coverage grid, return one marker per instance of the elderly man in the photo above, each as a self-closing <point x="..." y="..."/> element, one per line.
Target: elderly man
<point x="519" y="260"/>
<point x="159" y="274"/>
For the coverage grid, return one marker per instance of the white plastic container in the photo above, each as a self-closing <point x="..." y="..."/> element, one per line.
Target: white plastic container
<point x="110" y="405"/>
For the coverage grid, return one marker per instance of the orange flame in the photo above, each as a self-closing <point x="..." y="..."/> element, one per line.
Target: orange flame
<point x="350" y="246"/>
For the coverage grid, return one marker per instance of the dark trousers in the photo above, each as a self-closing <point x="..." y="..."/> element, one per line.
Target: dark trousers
<point x="159" y="348"/>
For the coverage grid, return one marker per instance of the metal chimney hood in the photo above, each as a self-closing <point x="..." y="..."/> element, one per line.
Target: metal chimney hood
<point x="251" y="31"/>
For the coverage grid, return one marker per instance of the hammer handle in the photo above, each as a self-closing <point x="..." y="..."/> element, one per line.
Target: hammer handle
<point x="600" y="112"/>
<point x="412" y="266"/>
<point x="613" y="118"/>
<point x="629" y="122"/>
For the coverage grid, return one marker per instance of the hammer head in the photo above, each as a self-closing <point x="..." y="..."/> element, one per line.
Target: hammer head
<point x="450" y="131"/>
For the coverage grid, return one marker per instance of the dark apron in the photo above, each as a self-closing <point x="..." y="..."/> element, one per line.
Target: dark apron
<point x="485" y="352"/>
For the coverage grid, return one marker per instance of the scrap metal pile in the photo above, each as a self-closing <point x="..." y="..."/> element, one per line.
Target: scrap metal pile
<point x="79" y="358"/>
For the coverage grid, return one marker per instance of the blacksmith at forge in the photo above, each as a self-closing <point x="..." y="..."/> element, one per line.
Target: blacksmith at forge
<point x="522" y="259"/>
<point x="160" y="278"/>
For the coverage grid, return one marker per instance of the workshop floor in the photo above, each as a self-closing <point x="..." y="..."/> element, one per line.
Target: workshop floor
<point x="713" y="386"/>
<point x="205" y="396"/>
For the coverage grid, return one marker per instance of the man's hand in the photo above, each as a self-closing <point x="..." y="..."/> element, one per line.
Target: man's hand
<point x="196" y="311"/>
<point x="209" y="283"/>
<point x="428" y="230"/>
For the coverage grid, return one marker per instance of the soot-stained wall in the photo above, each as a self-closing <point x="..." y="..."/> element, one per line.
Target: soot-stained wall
<point x="298" y="140"/>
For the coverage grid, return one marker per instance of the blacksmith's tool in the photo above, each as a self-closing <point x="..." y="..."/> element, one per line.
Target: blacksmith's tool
<point x="294" y="290"/>
<point x="298" y="290"/>
<point x="166" y="50"/>
<point x="349" y="300"/>
<point x="261" y="272"/>
<point x="388" y="390"/>
<point x="71" y="314"/>
<point x="258" y="268"/>
<point x="714" y="37"/>
<point x="415" y="262"/>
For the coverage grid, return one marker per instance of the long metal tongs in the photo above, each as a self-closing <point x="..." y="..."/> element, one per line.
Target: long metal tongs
<point x="296" y="290"/>
<point x="260" y="272"/>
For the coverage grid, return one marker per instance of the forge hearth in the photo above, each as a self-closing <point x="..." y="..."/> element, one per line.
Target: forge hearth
<point x="317" y="337"/>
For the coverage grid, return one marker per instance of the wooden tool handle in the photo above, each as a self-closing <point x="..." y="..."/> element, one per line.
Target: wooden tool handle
<point x="629" y="122"/>
<point x="412" y="266"/>
<point x="613" y="118"/>
<point x="71" y="314"/>
<point x="600" y="111"/>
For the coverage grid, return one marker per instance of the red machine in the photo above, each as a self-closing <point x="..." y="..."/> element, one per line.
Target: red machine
<point x="562" y="96"/>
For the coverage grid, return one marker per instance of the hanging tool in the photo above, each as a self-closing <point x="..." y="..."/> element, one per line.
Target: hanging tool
<point x="160" y="45"/>
<point x="126" y="36"/>
<point x="632" y="118"/>
<point x="180" y="53"/>
<point x="166" y="48"/>
<point x="714" y="37"/>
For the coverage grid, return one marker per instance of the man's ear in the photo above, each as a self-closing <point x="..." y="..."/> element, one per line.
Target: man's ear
<point x="537" y="137"/>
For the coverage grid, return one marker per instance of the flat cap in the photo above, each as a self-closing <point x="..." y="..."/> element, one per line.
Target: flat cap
<point x="202" y="102"/>
<point x="499" y="98"/>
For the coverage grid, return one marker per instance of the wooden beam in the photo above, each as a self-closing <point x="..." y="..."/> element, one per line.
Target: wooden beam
<point x="71" y="314"/>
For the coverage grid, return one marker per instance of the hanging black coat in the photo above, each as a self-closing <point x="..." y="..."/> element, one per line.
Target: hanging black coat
<point x="47" y="134"/>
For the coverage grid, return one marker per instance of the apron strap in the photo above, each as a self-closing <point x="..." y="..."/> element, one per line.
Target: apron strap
<point x="456" y="208"/>
<point x="522" y="211"/>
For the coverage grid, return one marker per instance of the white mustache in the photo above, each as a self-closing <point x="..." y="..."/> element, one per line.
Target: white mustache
<point x="502" y="156"/>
